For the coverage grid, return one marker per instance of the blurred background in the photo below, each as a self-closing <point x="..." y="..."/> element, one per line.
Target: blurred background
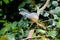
<point x="13" y="26"/>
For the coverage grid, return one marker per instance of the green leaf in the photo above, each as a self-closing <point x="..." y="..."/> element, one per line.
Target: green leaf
<point x="6" y="28"/>
<point x="55" y="3"/>
<point x="0" y="2"/>
<point x="6" y="1"/>
<point x="34" y="34"/>
<point x="28" y="1"/>
<point x="46" y="14"/>
<point x="52" y="11"/>
<point x="41" y="31"/>
<point x="3" y="38"/>
<point x="57" y="11"/>
<point x="2" y="31"/>
<point x="26" y="33"/>
<point x="52" y="33"/>
<point x="2" y="20"/>
<point x="21" y="5"/>
<point x="22" y="23"/>
<point x="58" y="23"/>
<point x="11" y="0"/>
<point x="44" y="38"/>
<point x="13" y="25"/>
<point x="10" y="36"/>
<point x="0" y="14"/>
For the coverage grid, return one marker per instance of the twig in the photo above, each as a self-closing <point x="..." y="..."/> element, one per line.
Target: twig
<point x="32" y="37"/>
<point x="41" y="9"/>
<point x="41" y="25"/>
<point x="31" y="33"/>
<point x="36" y="37"/>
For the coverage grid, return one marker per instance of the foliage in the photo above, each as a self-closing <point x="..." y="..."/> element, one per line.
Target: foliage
<point x="14" y="27"/>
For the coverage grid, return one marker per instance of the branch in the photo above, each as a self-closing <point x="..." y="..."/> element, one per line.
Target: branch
<point x="37" y="37"/>
<point x="42" y="25"/>
<point x="31" y="33"/>
<point x="33" y="37"/>
<point x="41" y="9"/>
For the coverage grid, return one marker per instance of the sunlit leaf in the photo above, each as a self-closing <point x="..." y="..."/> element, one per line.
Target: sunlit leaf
<point x="3" y="38"/>
<point x="44" y="38"/>
<point x="6" y="1"/>
<point x="58" y="23"/>
<point x="6" y="28"/>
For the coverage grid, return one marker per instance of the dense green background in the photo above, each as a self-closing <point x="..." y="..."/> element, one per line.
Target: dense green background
<point x="14" y="27"/>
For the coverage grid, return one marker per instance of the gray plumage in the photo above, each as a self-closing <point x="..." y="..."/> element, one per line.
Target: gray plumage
<point x="26" y="14"/>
